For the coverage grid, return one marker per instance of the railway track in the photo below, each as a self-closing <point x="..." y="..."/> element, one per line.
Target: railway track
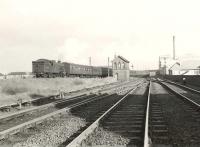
<point x="14" y="123"/>
<point x="181" y="84"/>
<point x="12" y="108"/>
<point x="188" y="88"/>
<point x="179" y="117"/>
<point x="45" y="100"/>
<point x="60" y="102"/>
<point x="158" y="127"/>
<point x="188" y="94"/>
<point x="126" y="117"/>
<point x="146" y="116"/>
<point x="158" y="118"/>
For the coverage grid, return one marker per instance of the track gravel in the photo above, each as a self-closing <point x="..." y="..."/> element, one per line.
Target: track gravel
<point x="105" y="137"/>
<point x="51" y="133"/>
<point x="56" y="131"/>
<point x="193" y="96"/>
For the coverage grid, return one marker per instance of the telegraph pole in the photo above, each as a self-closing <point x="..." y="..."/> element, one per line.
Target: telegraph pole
<point x="132" y="66"/>
<point x="174" y="54"/>
<point x="108" y="67"/>
<point x="159" y="63"/>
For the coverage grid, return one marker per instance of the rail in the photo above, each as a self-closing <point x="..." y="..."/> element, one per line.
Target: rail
<point x="180" y="95"/>
<point x="183" y="86"/>
<point x="76" y="142"/>
<point x="146" y="133"/>
<point x="18" y="113"/>
<point x="31" y="123"/>
<point x="83" y="91"/>
<point x="18" y="128"/>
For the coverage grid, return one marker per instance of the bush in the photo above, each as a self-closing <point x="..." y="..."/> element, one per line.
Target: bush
<point x="13" y="88"/>
<point x="78" y="82"/>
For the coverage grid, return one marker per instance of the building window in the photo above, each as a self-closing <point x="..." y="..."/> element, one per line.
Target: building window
<point x="115" y="65"/>
<point x="119" y="65"/>
<point x="123" y="65"/>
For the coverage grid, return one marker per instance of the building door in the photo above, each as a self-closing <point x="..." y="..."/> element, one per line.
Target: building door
<point x="116" y="76"/>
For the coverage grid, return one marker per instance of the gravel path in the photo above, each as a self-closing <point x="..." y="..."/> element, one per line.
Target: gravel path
<point x="184" y="128"/>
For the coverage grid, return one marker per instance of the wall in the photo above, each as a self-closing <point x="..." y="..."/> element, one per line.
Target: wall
<point x="122" y="75"/>
<point x="122" y="70"/>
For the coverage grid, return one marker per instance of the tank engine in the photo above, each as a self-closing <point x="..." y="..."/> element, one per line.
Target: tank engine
<point x="47" y="68"/>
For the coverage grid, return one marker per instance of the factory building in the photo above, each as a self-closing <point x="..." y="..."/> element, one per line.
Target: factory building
<point x="179" y="67"/>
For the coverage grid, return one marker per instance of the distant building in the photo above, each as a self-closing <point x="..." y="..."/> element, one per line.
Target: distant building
<point x="190" y="67"/>
<point x="180" y="67"/>
<point x="19" y="75"/>
<point x="143" y="73"/>
<point x="165" y="63"/>
<point x="153" y="73"/>
<point x="139" y="73"/>
<point x="190" y="72"/>
<point x="1" y="76"/>
<point x="175" y="69"/>
<point x="120" y="67"/>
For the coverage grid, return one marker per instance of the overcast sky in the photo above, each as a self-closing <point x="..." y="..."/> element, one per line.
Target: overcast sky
<point x="73" y="30"/>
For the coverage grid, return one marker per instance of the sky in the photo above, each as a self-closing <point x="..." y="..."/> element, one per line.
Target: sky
<point x="74" y="30"/>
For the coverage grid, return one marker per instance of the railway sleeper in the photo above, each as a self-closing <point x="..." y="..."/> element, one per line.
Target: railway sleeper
<point x="125" y="119"/>
<point x="132" y="113"/>
<point x="159" y="132"/>
<point x="131" y="132"/>
<point x="132" y="126"/>
<point x="160" y="139"/>
<point x="123" y="122"/>
<point x="128" y="116"/>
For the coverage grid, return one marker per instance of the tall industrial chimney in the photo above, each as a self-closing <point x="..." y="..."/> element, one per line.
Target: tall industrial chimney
<point x="174" y="54"/>
<point x="90" y="61"/>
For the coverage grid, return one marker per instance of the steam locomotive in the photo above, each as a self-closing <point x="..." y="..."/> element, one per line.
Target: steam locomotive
<point x="50" y="68"/>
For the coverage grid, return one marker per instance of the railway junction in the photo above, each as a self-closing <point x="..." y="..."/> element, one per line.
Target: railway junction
<point x="153" y="110"/>
<point x="99" y="73"/>
<point x="143" y="112"/>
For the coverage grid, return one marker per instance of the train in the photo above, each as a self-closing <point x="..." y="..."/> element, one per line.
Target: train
<point x="50" y="68"/>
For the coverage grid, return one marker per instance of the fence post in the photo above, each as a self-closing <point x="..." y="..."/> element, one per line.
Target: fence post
<point x="19" y="101"/>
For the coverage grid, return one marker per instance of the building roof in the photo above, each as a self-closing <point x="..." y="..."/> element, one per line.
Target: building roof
<point x="19" y="73"/>
<point x="122" y="58"/>
<point x="42" y="60"/>
<point x="175" y="66"/>
<point x="190" y="64"/>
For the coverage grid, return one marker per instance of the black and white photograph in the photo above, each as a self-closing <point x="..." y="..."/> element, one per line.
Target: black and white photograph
<point x="99" y="73"/>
